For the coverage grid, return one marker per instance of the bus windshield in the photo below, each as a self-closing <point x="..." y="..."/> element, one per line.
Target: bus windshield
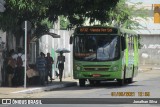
<point x="96" y="47"/>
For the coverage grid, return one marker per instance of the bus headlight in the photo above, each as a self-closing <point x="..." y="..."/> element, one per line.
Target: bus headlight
<point x="78" y="68"/>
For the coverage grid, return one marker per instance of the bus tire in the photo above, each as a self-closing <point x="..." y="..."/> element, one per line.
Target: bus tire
<point x="121" y="82"/>
<point x="130" y="80"/>
<point x="98" y="82"/>
<point x="81" y="82"/>
<point x="91" y="82"/>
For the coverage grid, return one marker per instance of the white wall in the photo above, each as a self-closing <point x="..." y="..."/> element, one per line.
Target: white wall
<point x="46" y="43"/>
<point x="150" y="34"/>
<point x="146" y="1"/>
<point x="3" y="37"/>
<point x="149" y="27"/>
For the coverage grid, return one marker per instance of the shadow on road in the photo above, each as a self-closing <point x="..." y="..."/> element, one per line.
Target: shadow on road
<point x="102" y="84"/>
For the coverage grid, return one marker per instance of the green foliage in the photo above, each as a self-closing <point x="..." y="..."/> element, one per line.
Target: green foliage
<point x="47" y="23"/>
<point x="41" y="29"/>
<point x="80" y="10"/>
<point x="123" y="15"/>
<point x="17" y="11"/>
<point x="63" y="23"/>
<point x="45" y="12"/>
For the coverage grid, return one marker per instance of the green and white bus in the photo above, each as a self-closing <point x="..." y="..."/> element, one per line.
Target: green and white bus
<point x="104" y="53"/>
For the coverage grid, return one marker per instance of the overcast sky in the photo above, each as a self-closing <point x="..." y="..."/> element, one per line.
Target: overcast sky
<point x="146" y="1"/>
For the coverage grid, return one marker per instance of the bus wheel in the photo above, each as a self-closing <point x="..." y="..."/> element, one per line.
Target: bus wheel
<point x="130" y="80"/>
<point x="121" y="82"/>
<point x="97" y="82"/>
<point x="91" y="82"/>
<point x="81" y="82"/>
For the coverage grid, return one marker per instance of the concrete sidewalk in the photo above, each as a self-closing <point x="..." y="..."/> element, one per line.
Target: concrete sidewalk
<point x="67" y="82"/>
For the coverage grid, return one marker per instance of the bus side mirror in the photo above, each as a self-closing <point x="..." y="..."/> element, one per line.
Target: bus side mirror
<point x="123" y="43"/>
<point x="71" y="40"/>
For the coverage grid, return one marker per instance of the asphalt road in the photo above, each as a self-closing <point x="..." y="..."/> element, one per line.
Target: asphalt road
<point x="145" y="85"/>
<point x="146" y="88"/>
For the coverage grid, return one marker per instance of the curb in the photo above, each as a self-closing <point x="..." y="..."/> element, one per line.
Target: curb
<point x="47" y="88"/>
<point x="148" y="69"/>
<point x="145" y="69"/>
<point x="156" y="68"/>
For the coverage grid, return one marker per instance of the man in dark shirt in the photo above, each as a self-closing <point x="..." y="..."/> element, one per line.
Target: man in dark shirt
<point x="50" y="61"/>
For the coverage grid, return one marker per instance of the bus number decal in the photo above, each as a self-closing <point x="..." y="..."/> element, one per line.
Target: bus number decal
<point x="83" y="29"/>
<point x="96" y="30"/>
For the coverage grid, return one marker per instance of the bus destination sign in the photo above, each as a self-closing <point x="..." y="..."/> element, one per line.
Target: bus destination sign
<point x="98" y="30"/>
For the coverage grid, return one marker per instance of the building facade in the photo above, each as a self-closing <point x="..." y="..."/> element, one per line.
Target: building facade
<point x="150" y="32"/>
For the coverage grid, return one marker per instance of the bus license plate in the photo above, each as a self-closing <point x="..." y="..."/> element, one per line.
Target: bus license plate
<point x="96" y="75"/>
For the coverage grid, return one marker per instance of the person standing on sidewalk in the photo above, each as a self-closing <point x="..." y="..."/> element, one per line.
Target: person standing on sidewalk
<point x="60" y="63"/>
<point x="41" y="67"/>
<point x="10" y="68"/>
<point x="50" y="61"/>
<point x="18" y="78"/>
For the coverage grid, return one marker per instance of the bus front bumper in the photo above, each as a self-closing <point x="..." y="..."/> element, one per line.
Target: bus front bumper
<point x="98" y="75"/>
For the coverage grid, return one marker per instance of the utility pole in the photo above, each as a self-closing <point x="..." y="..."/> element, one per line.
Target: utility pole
<point x="26" y="26"/>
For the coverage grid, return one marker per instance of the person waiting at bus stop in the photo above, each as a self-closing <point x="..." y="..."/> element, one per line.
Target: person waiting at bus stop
<point x="50" y="61"/>
<point x="60" y="63"/>
<point x="18" y="78"/>
<point x="11" y="68"/>
<point x="41" y="67"/>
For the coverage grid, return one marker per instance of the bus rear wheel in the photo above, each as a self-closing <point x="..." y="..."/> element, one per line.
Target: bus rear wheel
<point x="91" y="82"/>
<point x="81" y="82"/>
<point x="130" y="80"/>
<point x="121" y="82"/>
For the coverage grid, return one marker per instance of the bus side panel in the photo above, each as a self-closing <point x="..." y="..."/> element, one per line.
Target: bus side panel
<point x="129" y="57"/>
<point x="135" y="56"/>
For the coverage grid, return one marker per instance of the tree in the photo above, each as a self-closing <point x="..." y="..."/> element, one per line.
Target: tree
<point x="123" y="15"/>
<point x="42" y="13"/>
<point x="64" y="22"/>
<point x="18" y="11"/>
<point x="76" y="11"/>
